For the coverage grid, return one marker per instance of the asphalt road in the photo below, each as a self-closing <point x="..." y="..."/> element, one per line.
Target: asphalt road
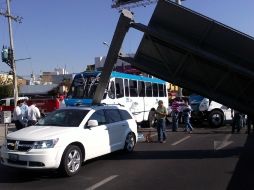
<point x="206" y="159"/>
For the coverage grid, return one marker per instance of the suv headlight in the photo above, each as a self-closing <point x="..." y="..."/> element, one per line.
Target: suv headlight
<point x="45" y="144"/>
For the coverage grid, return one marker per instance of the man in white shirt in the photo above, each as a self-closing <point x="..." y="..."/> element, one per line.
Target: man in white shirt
<point x="33" y="114"/>
<point x="17" y="116"/>
<point x="24" y="110"/>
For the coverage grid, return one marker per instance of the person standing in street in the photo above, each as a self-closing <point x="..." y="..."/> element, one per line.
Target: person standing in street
<point x="24" y="112"/>
<point x="186" y="110"/>
<point x="237" y="120"/>
<point x="33" y="114"/>
<point x="17" y="116"/>
<point x="176" y="107"/>
<point x="249" y="124"/>
<point x="161" y="114"/>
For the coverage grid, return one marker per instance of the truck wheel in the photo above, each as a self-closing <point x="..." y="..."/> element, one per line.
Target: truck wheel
<point x="71" y="161"/>
<point x="216" y="118"/>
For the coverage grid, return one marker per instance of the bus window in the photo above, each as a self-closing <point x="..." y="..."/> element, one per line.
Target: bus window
<point x="126" y="85"/>
<point x="119" y="88"/>
<point x="165" y="90"/>
<point x="111" y="91"/>
<point x="161" y="90"/>
<point x="155" y="90"/>
<point x="141" y="88"/>
<point x="133" y="88"/>
<point x="149" y="92"/>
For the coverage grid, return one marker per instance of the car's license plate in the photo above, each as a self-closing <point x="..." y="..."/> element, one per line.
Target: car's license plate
<point x="14" y="157"/>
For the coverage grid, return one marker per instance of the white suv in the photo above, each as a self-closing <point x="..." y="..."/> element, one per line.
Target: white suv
<point x="67" y="137"/>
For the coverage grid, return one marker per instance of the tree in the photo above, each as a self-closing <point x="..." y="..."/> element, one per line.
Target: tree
<point x="6" y="86"/>
<point x="6" y="91"/>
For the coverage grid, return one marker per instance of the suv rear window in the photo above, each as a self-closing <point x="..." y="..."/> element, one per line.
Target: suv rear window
<point x="99" y="116"/>
<point x="112" y="115"/>
<point x="125" y="115"/>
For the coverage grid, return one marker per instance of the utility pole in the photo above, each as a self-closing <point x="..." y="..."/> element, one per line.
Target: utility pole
<point x="11" y="61"/>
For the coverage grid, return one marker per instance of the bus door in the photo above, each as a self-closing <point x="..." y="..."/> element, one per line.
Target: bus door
<point x="111" y="93"/>
<point x="150" y="101"/>
<point x="136" y="102"/>
<point x="130" y="99"/>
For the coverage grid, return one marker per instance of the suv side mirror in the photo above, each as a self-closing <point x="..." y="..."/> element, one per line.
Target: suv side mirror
<point x="92" y="123"/>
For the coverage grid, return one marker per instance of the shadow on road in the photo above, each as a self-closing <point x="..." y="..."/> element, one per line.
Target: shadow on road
<point x="173" y="154"/>
<point x="243" y="176"/>
<point x="15" y="175"/>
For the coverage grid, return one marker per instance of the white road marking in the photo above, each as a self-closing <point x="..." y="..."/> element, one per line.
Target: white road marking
<point x="102" y="182"/>
<point x="181" y="140"/>
<point x="222" y="144"/>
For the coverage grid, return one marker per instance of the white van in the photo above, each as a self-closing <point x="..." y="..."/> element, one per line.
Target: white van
<point x="10" y="101"/>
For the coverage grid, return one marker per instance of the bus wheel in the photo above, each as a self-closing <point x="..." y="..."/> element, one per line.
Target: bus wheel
<point x="216" y="118"/>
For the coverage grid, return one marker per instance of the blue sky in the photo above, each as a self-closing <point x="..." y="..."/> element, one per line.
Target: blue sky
<point x="70" y="33"/>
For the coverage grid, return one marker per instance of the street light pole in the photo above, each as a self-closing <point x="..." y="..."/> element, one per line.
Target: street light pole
<point x="12" y="60"/>
<point x="106" y="44"/>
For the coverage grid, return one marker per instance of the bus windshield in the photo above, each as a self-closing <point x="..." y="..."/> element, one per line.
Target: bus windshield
<point x="83" y="86"/>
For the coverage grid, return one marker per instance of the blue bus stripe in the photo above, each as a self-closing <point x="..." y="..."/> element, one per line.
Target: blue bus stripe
<point x="124" y="76"/>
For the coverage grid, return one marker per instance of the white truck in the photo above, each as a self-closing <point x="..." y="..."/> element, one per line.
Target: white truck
<point x="204" y="109"/>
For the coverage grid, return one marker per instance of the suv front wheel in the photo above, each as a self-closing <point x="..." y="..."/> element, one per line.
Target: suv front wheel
<point x="71" y="161"/>
<point x="130" y="142"/>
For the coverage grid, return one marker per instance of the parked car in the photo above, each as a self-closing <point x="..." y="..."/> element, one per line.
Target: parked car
<point x="67" y="137"/>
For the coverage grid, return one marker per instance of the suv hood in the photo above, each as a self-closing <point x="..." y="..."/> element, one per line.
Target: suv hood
<point x="35" y="133"/>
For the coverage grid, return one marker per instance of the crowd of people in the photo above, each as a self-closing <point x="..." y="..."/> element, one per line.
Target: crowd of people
<point x="24" y="115"/>
<point x="157" y="118"/>
<point x="181" y="109"/>
<point x="240" y="121"/>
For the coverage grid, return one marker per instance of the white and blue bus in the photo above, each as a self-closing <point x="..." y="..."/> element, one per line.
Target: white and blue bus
<point x="138" y="93"/>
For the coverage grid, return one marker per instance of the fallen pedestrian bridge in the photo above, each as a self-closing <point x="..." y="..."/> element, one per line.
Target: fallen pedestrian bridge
<point x="195" y="52"/>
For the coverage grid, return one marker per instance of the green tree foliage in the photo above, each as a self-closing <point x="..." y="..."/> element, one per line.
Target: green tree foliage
<point x="6" y="91"/>
<point x="6" y="87"/>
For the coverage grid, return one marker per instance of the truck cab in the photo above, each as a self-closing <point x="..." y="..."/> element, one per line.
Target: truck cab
<point x="204" y="109"/>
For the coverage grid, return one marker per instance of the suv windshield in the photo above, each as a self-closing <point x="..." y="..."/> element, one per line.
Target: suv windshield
<point x="64" y="118"/>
